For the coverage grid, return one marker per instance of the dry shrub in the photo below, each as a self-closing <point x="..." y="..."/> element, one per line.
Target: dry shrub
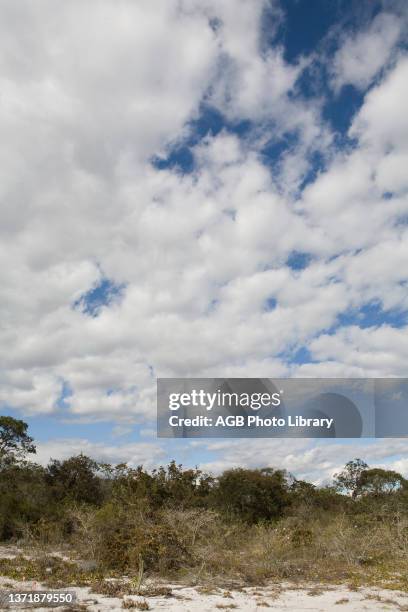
<point x="119" y="540"/>
<point x="130" y="604"/>
<point x="50" y="570"/>
<point x="43" y="534"/>
<point x="332" y="549"/>
<point x="320" y="550"/>
<point x="201" y="544"/>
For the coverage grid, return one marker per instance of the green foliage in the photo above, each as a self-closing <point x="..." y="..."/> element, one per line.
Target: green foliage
<point x="50" y="570"/>
<point x="172" y="486"/>
<point x="252" y="495"/>
<point x="15" y="443"/>
<point x="75" y="479"/>
<point x="358" y="479"/>
<point x="377" y="481"/>
<point x="306" y="498"/>
<point x="348" y="479"/>
<point x="23" y="498"/>
<point x="247" y="524"/>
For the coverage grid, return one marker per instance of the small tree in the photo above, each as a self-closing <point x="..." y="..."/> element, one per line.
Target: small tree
<point x="252" y="495"/>
<point x="15" y="443"/>
<point x="349" y="478"/>
<point x="377" y="481"/>
<point x="75" y="479"/>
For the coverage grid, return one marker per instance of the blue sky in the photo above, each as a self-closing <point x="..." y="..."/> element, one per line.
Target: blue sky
<point x="199" y="189"/>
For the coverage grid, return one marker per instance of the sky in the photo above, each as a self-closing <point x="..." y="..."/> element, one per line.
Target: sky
<point x="199" y="188"/>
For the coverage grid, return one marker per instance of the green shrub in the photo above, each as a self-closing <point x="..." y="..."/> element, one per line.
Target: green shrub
<point x="252" y="495"/>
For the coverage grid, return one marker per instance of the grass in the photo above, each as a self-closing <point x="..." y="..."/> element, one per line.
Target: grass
<point x="228" y="555"/>
<point x="334" y="551"/>
<point x="51" y="571"/>
<point x="130" y="604"/>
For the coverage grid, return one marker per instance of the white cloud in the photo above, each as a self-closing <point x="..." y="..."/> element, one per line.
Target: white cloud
<point x="88" y="97"/>
<point x="364" y="53"/>
<point x="301" y="458"/>
<point x="305" y="460"/>
<point x="382" y="122"/>
<point x="376" y="352"/>
<point x="148" y="454"/>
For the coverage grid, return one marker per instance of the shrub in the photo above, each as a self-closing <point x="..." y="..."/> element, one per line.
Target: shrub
<point x="252" y="495"/>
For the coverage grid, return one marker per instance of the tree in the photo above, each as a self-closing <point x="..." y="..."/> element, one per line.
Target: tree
<point x="348" y="479"/>
<point x="15" y="443"/>
<point x="24" y="497"/>
<point x="252" y="495"/>
<point x="75" y="479"/>
<point x="377" y="481"/>
<point x="306" y="497"/>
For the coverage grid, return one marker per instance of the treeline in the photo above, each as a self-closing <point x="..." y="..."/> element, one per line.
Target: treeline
<point x="173" y="518"/>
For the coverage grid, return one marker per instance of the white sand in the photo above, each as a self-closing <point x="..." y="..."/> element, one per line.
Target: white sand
<point x="279" y="598"/>
<point x="286" y="597"/>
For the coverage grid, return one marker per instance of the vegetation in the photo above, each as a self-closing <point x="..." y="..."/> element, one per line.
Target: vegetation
<point x="243" y="526"/>
<point x="14" y="440"/>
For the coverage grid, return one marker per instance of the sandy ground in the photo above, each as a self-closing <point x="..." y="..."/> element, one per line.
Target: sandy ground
<point x="279" y="598"/>
<point x="283" y="598"/>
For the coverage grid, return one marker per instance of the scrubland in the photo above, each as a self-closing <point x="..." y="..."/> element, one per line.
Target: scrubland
<point x="124" y="532"/>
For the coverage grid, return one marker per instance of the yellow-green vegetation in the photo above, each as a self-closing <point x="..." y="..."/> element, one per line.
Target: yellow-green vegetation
<point x="242" y="527"/>
<point x="49" y="570"/>
<point x="131" y="604"/>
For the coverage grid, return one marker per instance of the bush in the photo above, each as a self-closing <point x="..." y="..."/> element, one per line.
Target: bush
<point x="75" y="479"/>
<point x="252" y="495"/>
<point x="247" y="525"/>
<point x="23" y="498"/>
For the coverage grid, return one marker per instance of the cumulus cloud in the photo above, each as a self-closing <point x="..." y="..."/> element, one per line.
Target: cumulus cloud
<point x="147" y="454"/>
<point x="88" y="97"/>
<point x="302" y="459"/>
<point x="376" y="352"/>
<point x="363" y="54"/>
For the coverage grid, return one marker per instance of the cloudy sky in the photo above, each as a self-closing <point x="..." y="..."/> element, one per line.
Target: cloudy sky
<point x="199" y="188"/>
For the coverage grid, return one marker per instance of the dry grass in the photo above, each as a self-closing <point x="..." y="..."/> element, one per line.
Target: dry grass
<point x="337" y="551"/>
<point x="120" y="588"/>
<point x="50" y="570"/>
<point x="199" y="547"/>
<point x="130" y="604"/>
